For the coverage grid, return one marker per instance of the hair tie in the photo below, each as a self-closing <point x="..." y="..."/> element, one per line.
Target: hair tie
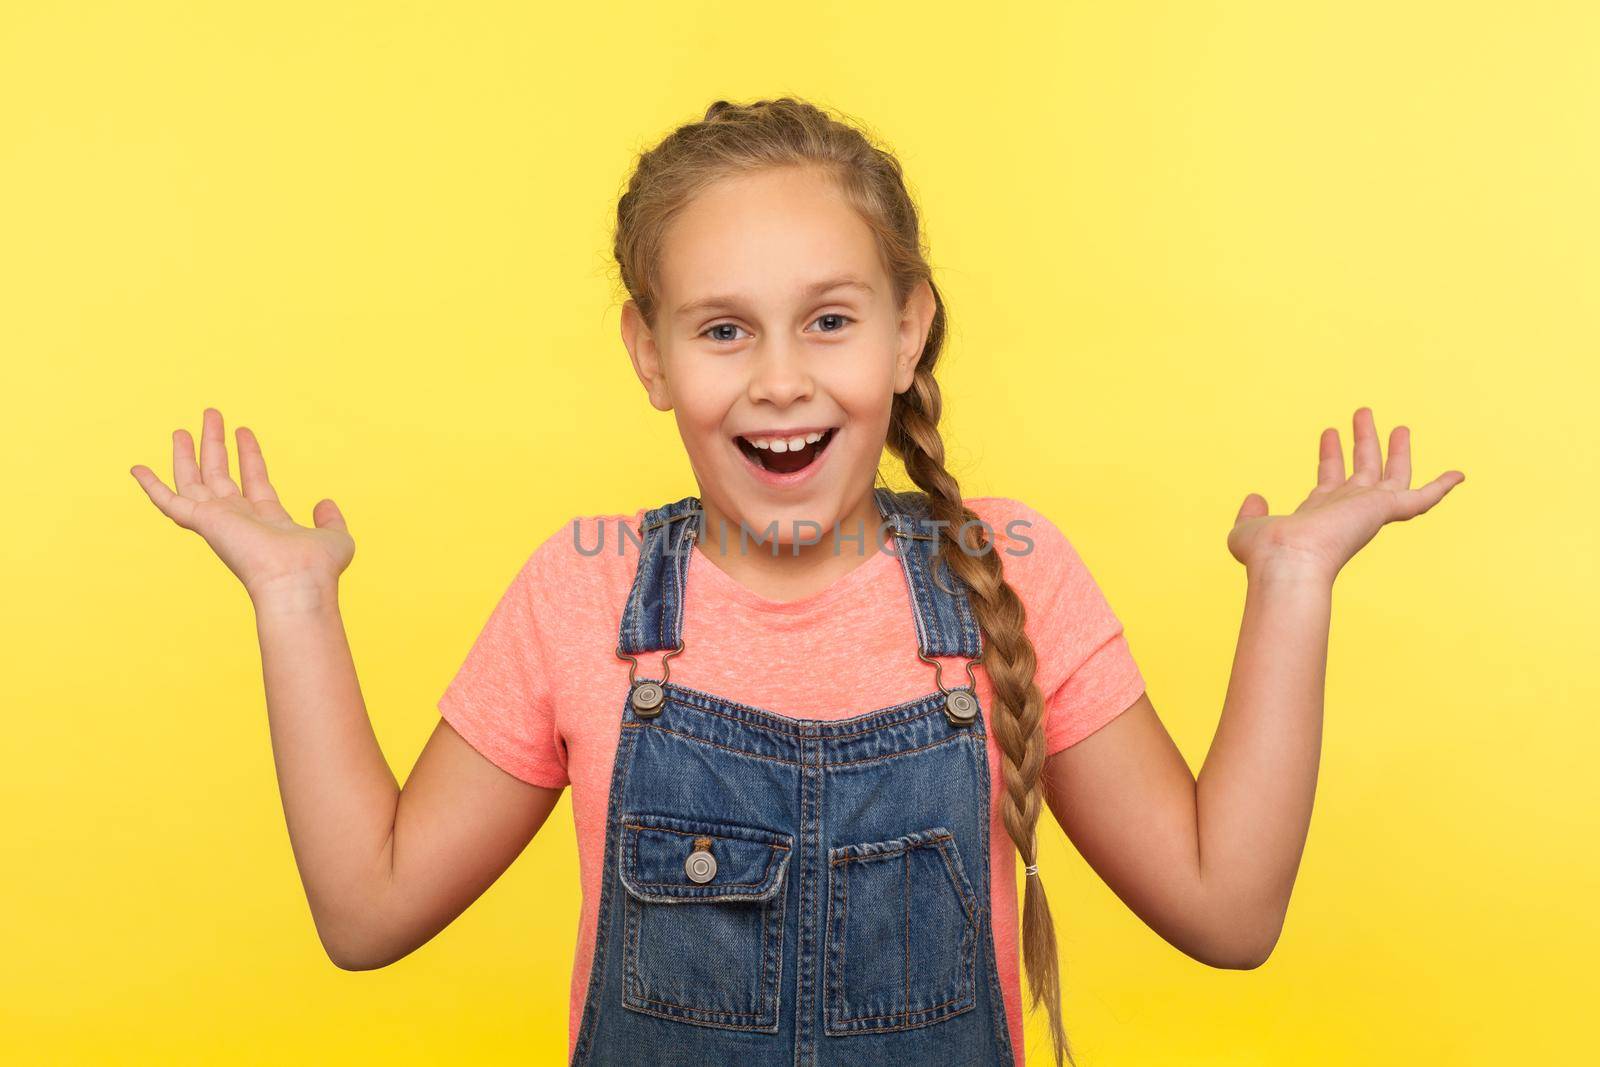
<point x="1030" y="870"/>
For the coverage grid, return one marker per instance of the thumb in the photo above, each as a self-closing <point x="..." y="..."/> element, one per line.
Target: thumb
<point x="327" y="514"/>
<point x="1254" y="507"/>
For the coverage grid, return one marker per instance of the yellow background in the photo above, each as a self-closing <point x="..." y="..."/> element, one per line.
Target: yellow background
<point x="1177" y="240"/>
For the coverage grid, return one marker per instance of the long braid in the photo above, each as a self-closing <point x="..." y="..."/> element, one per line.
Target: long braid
<point x="1008" y="657"/>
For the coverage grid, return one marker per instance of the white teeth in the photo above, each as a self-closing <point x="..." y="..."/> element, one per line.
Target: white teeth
<point x="786" y="444"/>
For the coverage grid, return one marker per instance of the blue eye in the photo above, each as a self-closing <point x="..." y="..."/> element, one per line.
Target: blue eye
<point x="722" y="326"/>
<point x="710" y="331"/>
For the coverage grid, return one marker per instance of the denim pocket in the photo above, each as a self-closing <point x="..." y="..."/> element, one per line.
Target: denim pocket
<point x="902" y="934"/>
<point x="709" y="952"/>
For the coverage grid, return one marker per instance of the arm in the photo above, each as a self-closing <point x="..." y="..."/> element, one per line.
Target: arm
<point x="384" y="868"/>
<point x="1210" y="864"/>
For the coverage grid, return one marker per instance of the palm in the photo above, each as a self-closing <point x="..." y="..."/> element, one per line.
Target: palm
<point x="248" y="529"/>
<point x="1341" y="514"/>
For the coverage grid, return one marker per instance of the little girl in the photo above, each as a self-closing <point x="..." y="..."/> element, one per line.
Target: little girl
<point x="807" y="720"/>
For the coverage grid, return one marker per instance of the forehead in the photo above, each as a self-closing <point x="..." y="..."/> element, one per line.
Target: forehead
<point x="766" y="235"/>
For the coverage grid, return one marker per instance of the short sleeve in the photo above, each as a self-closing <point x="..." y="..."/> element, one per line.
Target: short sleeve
<point x="500" y="700"/>
<point x="1086" y="671"/>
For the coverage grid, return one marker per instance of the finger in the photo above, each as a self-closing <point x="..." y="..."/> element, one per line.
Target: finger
<point x="253" y="471"/>
<point x="185" y="474"/>
<point x="1416" y="501"/>
<point x="214" y="455"/>
<point x="1367" y="461"/>
<point x="327" y="514"/>
<point x="1254" y="507"/>
<point x="1330" y="460"/>
<point x="1398" y="466"/>
<point x="173" y="506"/>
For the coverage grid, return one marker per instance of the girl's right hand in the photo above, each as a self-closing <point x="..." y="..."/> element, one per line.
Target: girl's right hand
<point x="250" y="531"/>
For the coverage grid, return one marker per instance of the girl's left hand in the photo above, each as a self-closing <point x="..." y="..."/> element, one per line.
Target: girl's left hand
<point x="1341" y="515"/>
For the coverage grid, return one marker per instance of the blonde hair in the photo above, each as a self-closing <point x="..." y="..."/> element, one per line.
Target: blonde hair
<point x="737" y="139"/>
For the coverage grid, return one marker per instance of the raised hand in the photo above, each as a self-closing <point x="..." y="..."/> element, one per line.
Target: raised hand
<point x="1342" y="514"/>
<point x="250" y="531"/>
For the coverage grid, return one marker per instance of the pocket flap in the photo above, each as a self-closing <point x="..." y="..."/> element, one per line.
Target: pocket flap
<point x="750" y="860"/>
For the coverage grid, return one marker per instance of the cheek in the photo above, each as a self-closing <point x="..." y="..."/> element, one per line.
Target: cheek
<point x="865" y="388"/>
<point x="701" y="395"/>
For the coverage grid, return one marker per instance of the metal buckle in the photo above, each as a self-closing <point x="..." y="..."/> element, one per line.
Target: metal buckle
<point x="648" y="696"/>
<point x="960" y="705"/>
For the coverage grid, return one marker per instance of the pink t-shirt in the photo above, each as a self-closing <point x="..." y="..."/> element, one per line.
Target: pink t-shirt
<point x="541" y="691"/>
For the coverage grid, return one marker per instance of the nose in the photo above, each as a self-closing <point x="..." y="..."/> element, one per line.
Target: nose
<point x="778" y="374"/>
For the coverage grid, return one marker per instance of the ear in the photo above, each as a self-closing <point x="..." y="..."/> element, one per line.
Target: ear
<point x="915" y="321"/>
<point x="646" y="357"/>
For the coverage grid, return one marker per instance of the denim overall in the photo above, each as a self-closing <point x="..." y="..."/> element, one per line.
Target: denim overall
<point x="780" y="890"/>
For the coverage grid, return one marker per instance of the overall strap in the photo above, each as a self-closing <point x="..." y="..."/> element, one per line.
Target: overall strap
<point x="652" y="619"/>
<point x="945" y="623"/>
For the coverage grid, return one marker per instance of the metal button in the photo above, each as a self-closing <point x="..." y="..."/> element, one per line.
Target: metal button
<point x="960" y="706"/>
<point x="701" y="866"/>
<point x="647" y="698"/>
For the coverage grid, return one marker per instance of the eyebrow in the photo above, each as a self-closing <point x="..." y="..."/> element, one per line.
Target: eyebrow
<point x="815" y="289"/>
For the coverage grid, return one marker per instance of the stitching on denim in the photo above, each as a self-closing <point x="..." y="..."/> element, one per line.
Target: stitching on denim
<point x="763" y="1019"/>
<point x="847" y="1031"/>
<point x="839" y="1021"/>
<point x="948" y="739"/>
<point x="864" y="731"/>
<point x="902" y="847"/>
<point x="836" y="948"/>
<point x="918" y="598"/>
<point x="699" y="699"/>
<point x="958" y="999"/>
<point x="715" y="744"/>
<point x="969" y="900"/>
<point x="804" y="733"/>
<point x="680" y="568"/>
<point x="631" y="976"/>
<point x="707" y="833"/>
<point x="894" y="755"/>
<point x="697" y="1016"/>
<point x="647" y="576"/>
<point x="773" y="938"/>
<point x="805" y="933"/>
<point x="730" y="1020"/>
<point x="762" y="996"/>
<point x="906" y="526"/>
<point x="633" y="617"/>
<point x="706" y="890"/>
<point x="970" y="629"/>
<point x="905" y="863"/>
<point x="937" y="709"/>
<point x="964" y="892"/>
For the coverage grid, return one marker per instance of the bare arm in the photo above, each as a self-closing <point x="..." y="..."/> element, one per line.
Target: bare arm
<point x="1210" y="864"/>
<point x="384" y="869"/>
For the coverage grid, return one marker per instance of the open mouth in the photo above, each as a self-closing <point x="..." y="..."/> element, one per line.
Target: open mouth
<point x="790" y="459"/>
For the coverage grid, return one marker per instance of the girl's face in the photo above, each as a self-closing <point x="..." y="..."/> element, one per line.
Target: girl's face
<point x="775" y="323"/>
